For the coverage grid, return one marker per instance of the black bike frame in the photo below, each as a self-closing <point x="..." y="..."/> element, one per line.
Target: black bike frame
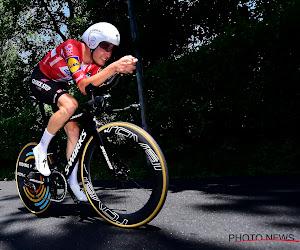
<point x="90" y="128"/>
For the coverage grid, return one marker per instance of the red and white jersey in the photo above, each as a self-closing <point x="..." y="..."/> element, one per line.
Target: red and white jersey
<point x="65" y="63"/>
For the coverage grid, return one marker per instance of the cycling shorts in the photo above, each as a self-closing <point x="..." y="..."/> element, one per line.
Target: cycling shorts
<point x="46" y="90"/>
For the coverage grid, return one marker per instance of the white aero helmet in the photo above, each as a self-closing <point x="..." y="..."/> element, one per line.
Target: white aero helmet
<point x="101" y="32"/>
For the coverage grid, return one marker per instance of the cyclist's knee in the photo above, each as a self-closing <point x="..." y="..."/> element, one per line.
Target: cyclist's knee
<point x="67" y="105"/>
<point x="67" y="110"/>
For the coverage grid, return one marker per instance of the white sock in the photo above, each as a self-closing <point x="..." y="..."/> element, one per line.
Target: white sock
<point x="46" y="138"/>
<point x="73" y="177"/>
<point x="73" y="182"/>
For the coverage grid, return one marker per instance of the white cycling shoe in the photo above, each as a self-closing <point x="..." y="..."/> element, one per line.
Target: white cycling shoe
<point x="41" y="162"/>
<point x="78" y="193"/>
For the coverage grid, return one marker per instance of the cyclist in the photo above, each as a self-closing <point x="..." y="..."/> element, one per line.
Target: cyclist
<point x="84" y="63"/>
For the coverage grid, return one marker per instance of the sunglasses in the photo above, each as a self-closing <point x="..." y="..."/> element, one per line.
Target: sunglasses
<point x="108" y="47"/>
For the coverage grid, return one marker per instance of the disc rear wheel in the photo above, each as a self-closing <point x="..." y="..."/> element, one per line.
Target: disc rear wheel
<point x="33" y="188"/>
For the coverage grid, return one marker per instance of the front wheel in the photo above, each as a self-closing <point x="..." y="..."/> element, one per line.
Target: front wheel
<point x="126" y="181"/>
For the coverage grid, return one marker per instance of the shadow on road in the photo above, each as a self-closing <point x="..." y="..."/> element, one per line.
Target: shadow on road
<point x="247" y="195"/>
<point x="79" y="226"/>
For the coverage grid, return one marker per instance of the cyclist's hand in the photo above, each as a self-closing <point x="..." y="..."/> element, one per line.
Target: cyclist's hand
<point x="126" y="65"/>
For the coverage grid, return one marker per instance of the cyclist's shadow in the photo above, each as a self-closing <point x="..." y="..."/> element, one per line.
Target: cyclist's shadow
<point x="62" y="210"/>
<point x="85" y="213"/>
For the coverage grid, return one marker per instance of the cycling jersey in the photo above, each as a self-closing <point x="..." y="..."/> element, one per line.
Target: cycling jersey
<point x="66" y="63"/>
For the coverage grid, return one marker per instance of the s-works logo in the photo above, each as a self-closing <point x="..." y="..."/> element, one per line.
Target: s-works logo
<point x="262" y="237"/>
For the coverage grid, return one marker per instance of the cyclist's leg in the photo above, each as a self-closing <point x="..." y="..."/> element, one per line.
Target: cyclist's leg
<point x="72" y="131"/>
<point x="67" y="106"/>
<point x="46" y="91"/>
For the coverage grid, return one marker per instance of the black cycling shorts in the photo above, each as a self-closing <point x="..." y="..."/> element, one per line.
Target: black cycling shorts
<point x="46" y="90"/>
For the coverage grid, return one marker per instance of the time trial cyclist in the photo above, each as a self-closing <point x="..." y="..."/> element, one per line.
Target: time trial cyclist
<point x="84" y="63"/>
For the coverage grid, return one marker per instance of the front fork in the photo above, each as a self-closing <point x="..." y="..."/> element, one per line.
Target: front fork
<point x="104" y="147"/>
<point x="116" y="167"/>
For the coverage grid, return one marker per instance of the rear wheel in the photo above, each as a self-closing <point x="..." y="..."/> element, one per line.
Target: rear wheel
<point x="133" y="193"/>
<point x="33" y="188"/>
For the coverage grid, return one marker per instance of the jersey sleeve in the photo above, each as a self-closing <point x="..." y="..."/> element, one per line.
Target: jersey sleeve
<point x="72" y="52"/>
<point x="96" y="69"/>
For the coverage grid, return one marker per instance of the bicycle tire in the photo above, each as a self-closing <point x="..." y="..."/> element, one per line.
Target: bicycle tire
<point x="126" y="203"/>
<point x="35" y="196"/>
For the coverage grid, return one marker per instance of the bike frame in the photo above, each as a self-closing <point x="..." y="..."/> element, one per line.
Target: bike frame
<point x="89" y="129"/>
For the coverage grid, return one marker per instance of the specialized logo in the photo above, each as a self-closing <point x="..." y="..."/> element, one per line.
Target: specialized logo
<point x="73" y="64"/>
<point x="93" y="40"/>
<point x="75" y="151"/>
<point x="45" y="162"/>
<point x="96" y="31"/>
<point x="106" y="157"/>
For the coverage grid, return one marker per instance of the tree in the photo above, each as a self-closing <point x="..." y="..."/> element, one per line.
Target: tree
<point x="234" y="100"/>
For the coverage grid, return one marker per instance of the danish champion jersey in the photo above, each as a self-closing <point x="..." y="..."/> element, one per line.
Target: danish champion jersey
<point x="66" y="63"/>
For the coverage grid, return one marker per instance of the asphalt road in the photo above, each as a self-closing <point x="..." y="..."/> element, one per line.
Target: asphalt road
<point x="208" y="213"/>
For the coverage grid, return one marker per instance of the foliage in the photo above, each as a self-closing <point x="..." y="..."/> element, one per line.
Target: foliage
<point x="237" y="93"/>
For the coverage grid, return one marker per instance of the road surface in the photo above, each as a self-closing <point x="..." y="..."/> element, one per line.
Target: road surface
<point x="202" y="213"/>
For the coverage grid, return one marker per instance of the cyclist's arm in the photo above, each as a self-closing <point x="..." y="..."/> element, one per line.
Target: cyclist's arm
<point x="124" y="65"/>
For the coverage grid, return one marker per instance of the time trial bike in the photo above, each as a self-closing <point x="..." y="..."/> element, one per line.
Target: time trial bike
<point x="123" y="170"/>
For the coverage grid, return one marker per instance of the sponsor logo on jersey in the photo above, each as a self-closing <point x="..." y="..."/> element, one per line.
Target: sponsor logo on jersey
<point x="73" y="64"/>
<point x="65" y="70"/>
<point x="41" y="85"/>
<point x="69" y="49"/>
